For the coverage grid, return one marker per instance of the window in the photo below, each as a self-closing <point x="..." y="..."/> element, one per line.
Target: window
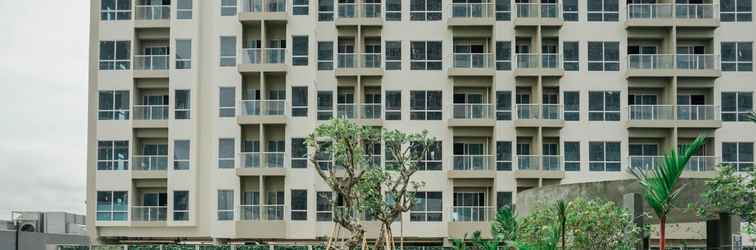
<point x="300" y="50"/>
<point x="503" y="10"/>
<point x="425" y="10"/>
<point x="325" y="105"/>
<point x="503" y="199"/>
<point x="298" y="153"/>
<point x="425" y="55"/>
<point x="112" y="205"/>
<point x="228" y="7"/>
<point x="115" y="10"/>
<point x="298" y="204"/>
<point x="227" y="51"/>
<point x="570" y="10"/>
<point x="571" y="106"/>
<point x="737" y="56"/>
<point x="114" y="105"/>
<point x="184" y="9"/>
<point x="735" y="10"/>
<point x="183" y="54"/>
<point x="323" y="209"/>
<point x="227" y="104"/>
<point x="571" y="156"/>
<point x="115" y="55"/>
<point x="393" y="55"/>
<point x="571" y="56"/>
<point x="394" y="105"/>
<point x="603" y="56"/>
<point x="604" y="106"/>
<point x="325" y="10"/>
<point x="300" y="7"/>
<point x="425" y="105"/>
<point x="504" y="55"/>
<point x="183" y="106"/>
<point x="603" y="10"/>
<point x="736" y="106"/>
<point x="325" y="55"/>
<point x="503" y="105"/>
<point x="504" y="156"/>
<point x="226" y="152"/>
<point x="181" y="155"/>
<point x="180" y="205"/>
<point x="299" y="101"/>
<point x="738" y="155"/>
<point x="225" y="204"/>
<point x="604" y="156"/>
<point x="393" y="10"/>
<point x="432" y="159"/>
<point x="113" y="155"/>
<point x="427" y="207"/>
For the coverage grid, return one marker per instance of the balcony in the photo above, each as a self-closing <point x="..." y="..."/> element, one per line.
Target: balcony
<point x="346" y="110"/>
<point x="261" y="221"/>
<point x="472" y="64"/>
<point x="262" y="112"/>
<point x="257" y="163"/>
<point x="354" y="64"/>
<point x="668" y="15"/>
<point x="668" y="65"/>
<point x="645" y="162"/>
<point x="371" y="114"/>
<point x="539" y="166"/>
<point x="263" y="60"/>
<point x="150" y="116"/>
<point x="155" y="215"/>
<point x="350" y="14"/>
<point x="472" y="115"/>
<point x="669" y="116"/>
<point x="535" y="14"/>
<point x="539" y="115"/>
<point x="466" y="219"/>
<point x="151" y="66"/>
<point x="472" y="166"/>
<point x="149" y="166"/>
<point x="152" y="16"/>
<point x="472" y="14"/>
<point x="701" y="167"/>
<point x="259" y="10"/>
<point x="538" y="65"/>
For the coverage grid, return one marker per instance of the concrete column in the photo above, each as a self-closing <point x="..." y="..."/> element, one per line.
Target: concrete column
<point x="719" y="232"/>
<point x="358" y="97"/>
<point x="262" y="142"/>
<point x="633" y="202"/>
<point x="261" y="190"/>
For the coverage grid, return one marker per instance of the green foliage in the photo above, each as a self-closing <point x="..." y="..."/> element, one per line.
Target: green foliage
<point x="284" y="247"/>
<point x="107" y="247"/>
<point x="214" y="247"/>
<point x="733" y="192"/>
<point x="178" y="247"/>
<point x="253" y="247"/>
<point x="72" y="247"/>
<point x="143" y="247"/>
<point x="505" y="225"/>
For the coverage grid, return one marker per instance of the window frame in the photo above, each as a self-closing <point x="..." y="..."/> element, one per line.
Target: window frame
<point x="296" y="109"/>
<point x="302" y="161"/>
<point x="605" y="152"/>
<point x="115" y="148"/>
<point x="390" y="111"/>
<point x="115" y="114"/>
<point x="326" y="214"/>
<point x="426" y="112"/>
<point x="567" y="159"/>
<point x="502" y="163"/>
<point x="114" y="14"/>
<point x="572" y="110"/>
<point x="183" y="63"/>
<point x="298" y="213"/>
<point x="571" y="64"/>
<point x="182" y="163"/>
<point x="227" y="9"/>
<point x="505" y="13"/>
<point x="737" y="15"/>
<point x="393" y="55"/>
<point x="429" y="161"/>
<point x="740" y="165"/>
<point x="605" y="14"/>
<point x="325" y="15"/>
<point x="737" y="65"/>
<point x="568" y="14"/>
<point x="425" y="14"/>
<point x="604" y="110"/>
<point x="181" y="214"/>
<point x="327" y="114"/>
<point x="112" y="209"/>
<point x="182" y="12"/>
<point x="426" y="61"/>
<point x="224" y="160"/>
<point x="501" y="110"/>
<point x="182" y="112"/>
<point x="391" y="14"/>
<point x="227" y="60"/>
<point x="115" y="63"/>
<point x="300" y="58"/>
<point x="325" y="56"/>
<point x="739" y="115"/>
<point x="226" y="111"/>
<point x="503" y="55"/>
<point x="300" y="9"/>
<point x="425" y="212"/>
<point x="223" y="212"/>
<point x="605" y="61"/>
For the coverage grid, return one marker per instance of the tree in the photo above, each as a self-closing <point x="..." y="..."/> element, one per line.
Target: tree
<point x="561" y="208"/>
<point x="659" y="183"/>
<point x="365" y="189"/>
<point x="733" y="192"/>
<point x="504" y="226"/>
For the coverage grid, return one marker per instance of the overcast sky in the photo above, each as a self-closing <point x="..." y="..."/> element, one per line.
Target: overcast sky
<point x="43" y="97"/>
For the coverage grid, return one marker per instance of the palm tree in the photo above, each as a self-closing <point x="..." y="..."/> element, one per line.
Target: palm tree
<point x="659" y="183"/>
<point x="561" y="208"/>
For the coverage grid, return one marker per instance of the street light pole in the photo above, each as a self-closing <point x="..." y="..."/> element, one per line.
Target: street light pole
<point x="18" y="228"/>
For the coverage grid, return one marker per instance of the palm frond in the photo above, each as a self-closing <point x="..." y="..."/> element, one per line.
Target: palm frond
<point x="752" y="117"/>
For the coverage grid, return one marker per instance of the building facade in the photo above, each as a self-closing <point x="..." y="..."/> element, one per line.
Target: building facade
<point x="198" y="108"/>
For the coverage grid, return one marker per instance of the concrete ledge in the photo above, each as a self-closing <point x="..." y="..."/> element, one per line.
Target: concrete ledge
<point x="263" y="119"/>
<point x="534" y="174"/>
<point x="163" y="23"/>
<point x="458" y="229"/>
<point x="143" y="174"/>
<point x="460" y="174"/>
<point x="471" y="71"/>
<point x="149" y="123"/>
<point x="260" y="16"/>
<point x="249" y="68"/>
<point x="536" y="21"/>
<point x="260" y="171"/>
<point x="471" y="122"/>
<point x="471" y="21"/>
<point x="353" y="21"/>
<point x="260" y="229"/>
<point x="150" y="73"/>
<point x="359" y="72"/>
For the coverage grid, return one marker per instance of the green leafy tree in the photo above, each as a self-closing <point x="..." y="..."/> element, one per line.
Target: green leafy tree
<point x="561" y="208"/>
<point x="659" y="183"/>
<point x="734" y="192"/>
<point x="504" y="226"/>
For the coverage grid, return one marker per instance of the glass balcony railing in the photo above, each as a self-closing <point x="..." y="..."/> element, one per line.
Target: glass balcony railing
<point x="370" y="111"/>
<point x="148" y="213"/>
<point x="262" y="107"/>
<point x="696" y="62"/>
<point x="472" y="10"/>
<point x="701" y="163"/>
<point x="355" y="10"/>
<point x="361" y="60"/>
<point x="151" y="62"/>
<point x="538" y="61"/>
<point x="472" y="162"/>
<point x="346" y="110"/>
<point x="645" y="162"/>
<point x="263" y="56"/>
<point x="655" y="11"/>
<point x="551" y="162"/>
<point x="261" y="212"/>
<point x="651" y="112"/>
<point x="473" y="60"/>
<point x="697" y="113"/>
<point x="259" y="6"/>
<point x="537" y="10"/>
<point x="472" y="213"/>
<point x="539" y="162"/>
<point x="539" y="111"/>
<point x="472" y="111"/>
<point x="254" y="159"/>
<point x="153" y="12"/>
<point x="687" y="62"/>
<point x="151" y="112"/>
<point x="695" y="11"/>
<point x="150" y="162"/>
<point x="650" y="62"/>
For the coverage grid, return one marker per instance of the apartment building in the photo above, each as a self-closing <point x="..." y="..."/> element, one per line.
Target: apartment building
<point x="198" y="108"/>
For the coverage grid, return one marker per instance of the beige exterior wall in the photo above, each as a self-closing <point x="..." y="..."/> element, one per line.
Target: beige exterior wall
<point x="205" y="78"/>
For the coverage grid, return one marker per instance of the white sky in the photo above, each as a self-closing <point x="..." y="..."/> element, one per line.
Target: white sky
<point x="43" y="97"/>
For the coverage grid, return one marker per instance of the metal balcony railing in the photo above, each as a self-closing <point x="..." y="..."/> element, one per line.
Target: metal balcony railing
<point x="262" y="212"/>
<point x="537" y="10"/>
<point x="539" y="163"/>
<point x="259" y="6"/>
<point x="701" y="163"/>
<point x="696" y="11"/>
<point x="149" y="213"/>
<point x="472" y="111"/>
<point x="551" y="162"/>
<point x="538" y="61"/>
<point x="473" y="60"/>
<point x="151" y="62"/>
<point x="151" y="112"/>
<point x="263" y="56"/>
<point x="361" y="60"/>
<point x="346" y="110"/>
<point x="254" y="159"/>
<point x="153" y="12"/>
<point x="355" y="10"/>
<point x="262" y="107"/>
<point x="472" y="162"/>
<point x="645" y="162"/>
<point x="651" y="112"/>
<point x="658" y="11"/>
<point x="150" y="162"/>
<point x="688" y="62"/>
<point x="539" y="111"/>
<point x="695" y="62"/>
<point x="697" y="113"/>
<point x="371" y="111"/>
<point x="472" y="10"/>
<point x="472" y="213"/>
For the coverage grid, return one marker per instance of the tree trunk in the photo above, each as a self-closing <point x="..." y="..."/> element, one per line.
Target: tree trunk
<point x="662" y="232"/>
